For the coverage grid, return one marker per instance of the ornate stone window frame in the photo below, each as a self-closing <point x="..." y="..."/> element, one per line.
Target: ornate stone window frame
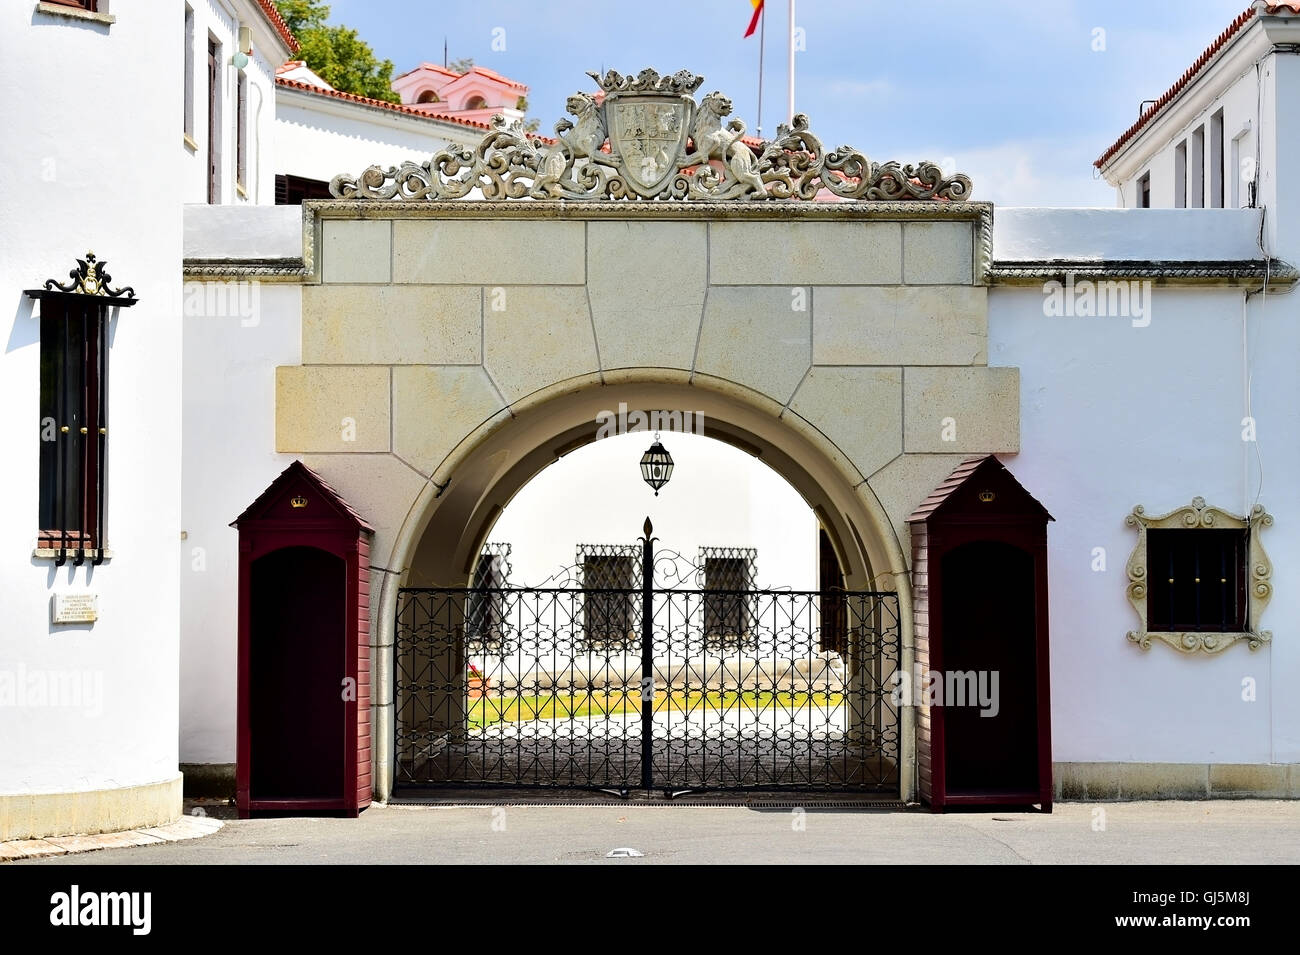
<point x="1199" y="515"/>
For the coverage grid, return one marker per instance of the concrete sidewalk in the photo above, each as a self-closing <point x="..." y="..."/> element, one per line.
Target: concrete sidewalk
<point x="183" y="829"/>
<point x="1219" y="832"/>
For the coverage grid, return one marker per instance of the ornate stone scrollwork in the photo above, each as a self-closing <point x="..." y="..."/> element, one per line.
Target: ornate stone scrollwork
<point x="647" y="138"/>
<point x="1259" y="582"/>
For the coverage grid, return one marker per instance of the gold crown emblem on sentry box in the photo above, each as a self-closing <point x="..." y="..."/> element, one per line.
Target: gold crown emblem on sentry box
<point x="298" y="501"/>
<point x="987" y="496"/>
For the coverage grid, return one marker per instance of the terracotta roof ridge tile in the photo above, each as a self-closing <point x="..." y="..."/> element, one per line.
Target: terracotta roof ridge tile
<point x="273" y="16"/>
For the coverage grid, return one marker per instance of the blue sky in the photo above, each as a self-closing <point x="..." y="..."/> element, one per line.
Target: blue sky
<point x="1012" y="91"/>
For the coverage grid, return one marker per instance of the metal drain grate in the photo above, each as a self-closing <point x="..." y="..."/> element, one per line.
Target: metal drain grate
<point x="514" y="800"/>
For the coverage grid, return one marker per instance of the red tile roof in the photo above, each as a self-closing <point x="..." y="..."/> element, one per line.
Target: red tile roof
<point x="493" y="74"/>
<point x="277" y="21"/>
<point x="428" y="66"/>
<point x="482" y="70"/>
<point x="1192" y="72"/>
<point x="394" y="107"/>
<point x="945" y="489"/>
<point x="378" y="103"/>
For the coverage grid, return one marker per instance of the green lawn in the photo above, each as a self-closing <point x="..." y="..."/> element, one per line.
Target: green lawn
<point x="563" y="705"/>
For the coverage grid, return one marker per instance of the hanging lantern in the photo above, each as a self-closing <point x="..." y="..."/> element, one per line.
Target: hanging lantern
<point x="656" y="466"/>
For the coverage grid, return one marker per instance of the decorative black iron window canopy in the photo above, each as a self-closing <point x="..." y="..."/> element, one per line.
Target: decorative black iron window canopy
<point x="74" y="409"/>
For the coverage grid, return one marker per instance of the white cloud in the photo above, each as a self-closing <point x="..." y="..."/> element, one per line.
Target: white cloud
<point x="1032" y="172"/>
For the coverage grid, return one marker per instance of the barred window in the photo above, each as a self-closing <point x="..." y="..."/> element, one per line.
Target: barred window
<point x="73" y="423"/>
<point x="728" y="596"/>
<point x="1198" y="580"/>
<point x="609" y="581"/>
<point x="485" y="624"/>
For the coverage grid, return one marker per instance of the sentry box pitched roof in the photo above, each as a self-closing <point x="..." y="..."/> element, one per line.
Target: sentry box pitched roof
<point x="277" y="500"/>
<point x="965" y="489"/>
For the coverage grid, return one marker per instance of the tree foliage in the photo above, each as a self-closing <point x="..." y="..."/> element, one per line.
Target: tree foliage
<point x="530" y="125"/>
<point x="336" y="53"/>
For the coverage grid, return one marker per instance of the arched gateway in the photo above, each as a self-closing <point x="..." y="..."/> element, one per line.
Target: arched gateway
<point x="454" y="344"/>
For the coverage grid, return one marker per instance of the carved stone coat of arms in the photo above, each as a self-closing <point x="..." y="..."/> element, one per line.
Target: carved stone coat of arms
<point x="646" y="137"/>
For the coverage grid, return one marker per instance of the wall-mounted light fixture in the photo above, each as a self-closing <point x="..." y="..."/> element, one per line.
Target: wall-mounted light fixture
<point x="243" y="48"/>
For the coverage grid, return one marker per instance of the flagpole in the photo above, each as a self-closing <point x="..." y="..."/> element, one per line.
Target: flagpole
<point x="762" y="39"/>
<point x="790" y="38"/>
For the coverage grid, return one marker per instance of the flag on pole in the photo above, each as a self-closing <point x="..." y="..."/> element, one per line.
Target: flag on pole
<point x="753" y="22"/>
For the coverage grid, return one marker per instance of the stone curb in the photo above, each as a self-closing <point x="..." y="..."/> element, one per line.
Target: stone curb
<point x="187" y="827"/>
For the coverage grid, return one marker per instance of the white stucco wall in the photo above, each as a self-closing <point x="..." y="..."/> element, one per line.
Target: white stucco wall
<point x="1282" y="192"/>
<point x="1173" y="235"/>
<point x="1112" y="416"/>
<point x="241" y="232"/>
<point x="95" y="167"/>
<point x="318" y="137"/>
<point x="229" y="436"/>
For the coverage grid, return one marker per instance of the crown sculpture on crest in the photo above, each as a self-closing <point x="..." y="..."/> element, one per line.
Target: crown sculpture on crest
<point x="647" y="138"/>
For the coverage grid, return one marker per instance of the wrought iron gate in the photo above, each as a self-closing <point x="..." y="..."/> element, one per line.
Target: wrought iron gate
<point x="664" y="675"/>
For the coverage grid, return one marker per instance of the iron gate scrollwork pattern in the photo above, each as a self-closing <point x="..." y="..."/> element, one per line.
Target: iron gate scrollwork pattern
<point x="641" y="670"/>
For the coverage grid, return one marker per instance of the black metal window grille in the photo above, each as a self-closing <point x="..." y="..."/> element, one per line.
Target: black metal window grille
<point x="1197" y="580"/>
<point x="609" y="582"/>
<point x="73" y="425"/>
<point x="485" y="619"/>
<point x="728" y="596"/>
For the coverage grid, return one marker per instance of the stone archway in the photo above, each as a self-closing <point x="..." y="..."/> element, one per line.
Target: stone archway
<point x="491" y="465"/>
<point x="439" y="542"/>
<point x="452" y="347"/>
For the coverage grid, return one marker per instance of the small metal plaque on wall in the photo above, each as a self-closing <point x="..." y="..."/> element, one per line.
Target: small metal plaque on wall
<point x="75" y="608"/>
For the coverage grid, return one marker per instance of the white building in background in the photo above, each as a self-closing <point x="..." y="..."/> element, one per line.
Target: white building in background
<point x="1223" y="134"/>
<point x="320" y="131"/>
<point x="227" y="77"/>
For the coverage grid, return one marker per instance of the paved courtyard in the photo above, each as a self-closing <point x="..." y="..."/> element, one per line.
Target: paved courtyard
<point x="1219" y="832"/>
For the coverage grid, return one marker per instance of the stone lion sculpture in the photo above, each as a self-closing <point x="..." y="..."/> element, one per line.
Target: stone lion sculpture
<point x="714" y="141"/>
